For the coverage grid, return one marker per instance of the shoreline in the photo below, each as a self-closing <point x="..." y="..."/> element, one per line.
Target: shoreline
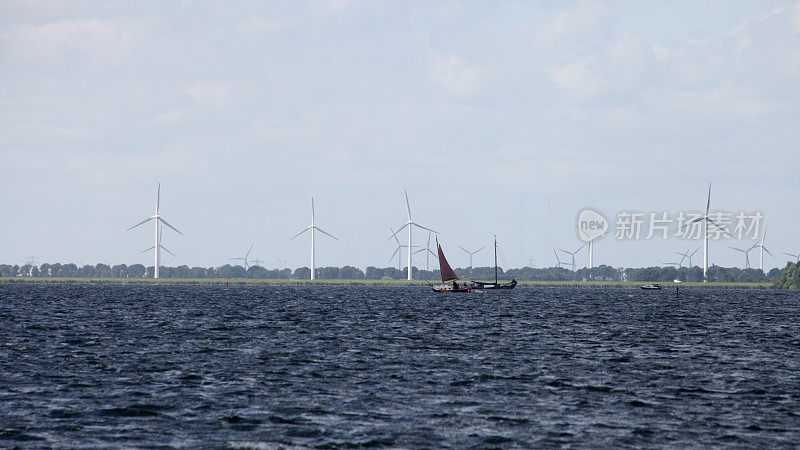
<point x="395" y="283"/>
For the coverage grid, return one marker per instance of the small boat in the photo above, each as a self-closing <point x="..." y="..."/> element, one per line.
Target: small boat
<point x="448" y="275"/>
<point x="485" y="285"/>
<point x="651" y="287"/>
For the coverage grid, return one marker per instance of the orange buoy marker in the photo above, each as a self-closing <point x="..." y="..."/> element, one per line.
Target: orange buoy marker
<point x="676" y="292"/>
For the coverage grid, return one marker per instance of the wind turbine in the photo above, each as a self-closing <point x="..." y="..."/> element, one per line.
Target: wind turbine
<point x="157" y="217"/>
<point x="591" y="250"/>
<point x="313" y="227"/>
<point x="160" y="245"/>
<point x="706" y="221"/>
<point x="410" y="224"/>
<point x="573" y="255"/>
<point x="398" y="251"/>
<point x="257" y="262"/>
<point x="429" y="253"/>
<point x="245" y="256"/>
<point x="746" y="255"/>
<point x="558" y="260"/>
<point x="688" y="255"/>
<point x="762" y="249"/>
<point x="797" y="256"/>
<point x="470" y="256"/>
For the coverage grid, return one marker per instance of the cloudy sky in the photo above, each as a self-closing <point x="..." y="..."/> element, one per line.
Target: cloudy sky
<point x="486" y="113"/>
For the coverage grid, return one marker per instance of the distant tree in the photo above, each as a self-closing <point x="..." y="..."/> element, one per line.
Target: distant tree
<point x="302" y="273"/>
<point x="350" y="273"/>
<point x="789" y="277"/>
<point x="373" y="273"/>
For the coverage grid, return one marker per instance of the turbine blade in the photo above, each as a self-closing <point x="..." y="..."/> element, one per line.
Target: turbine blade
<point x="434" y="254"/>
<point x="165" y="249"/>
<point x="708" y="204"/>
<point x="398" y="230"/>
<point x="167" y="224"/>
<point x="737" y="249"/>
<point x="393" y="235"/>
<point x="462" y="248"/>
<point x="312" y="210"/>
<point x="149" y="248"/>
<point x="144" y="221"/>
<point x="298" y="234"/>
<point x="769" y="252"/>
<point x="720" y="228"/>
<point x="251" y="249"/>
<point x="325" y="232"/>
<point x="158" y="197"/>
<point x="476" y="251"/>
<point x="424" y="228"/>
<point x="420" y="250"/>
<point x="395" y="252"/>
<point x="408" y="206"/>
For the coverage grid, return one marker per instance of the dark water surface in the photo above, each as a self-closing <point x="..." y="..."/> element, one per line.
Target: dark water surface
<point x="144" y="366"/>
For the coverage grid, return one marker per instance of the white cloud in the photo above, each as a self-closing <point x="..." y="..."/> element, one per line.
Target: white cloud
<point x="453" y="75"/>
<point x="100" y="39"/>
<point x="209" y="92"/>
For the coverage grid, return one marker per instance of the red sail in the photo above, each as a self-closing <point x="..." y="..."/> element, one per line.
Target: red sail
<point x="444" y="268"/>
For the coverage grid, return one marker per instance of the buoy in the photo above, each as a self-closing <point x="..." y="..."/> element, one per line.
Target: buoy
<point x="676" y="292"/>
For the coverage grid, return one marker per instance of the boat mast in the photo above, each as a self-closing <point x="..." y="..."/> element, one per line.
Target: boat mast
<point x="495" y="259"/>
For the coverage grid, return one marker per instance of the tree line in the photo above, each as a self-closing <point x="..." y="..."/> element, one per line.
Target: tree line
<point x="600" y="273"/>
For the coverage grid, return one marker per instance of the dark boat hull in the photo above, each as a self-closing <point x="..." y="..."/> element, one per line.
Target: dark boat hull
<point x="481" y="286"/>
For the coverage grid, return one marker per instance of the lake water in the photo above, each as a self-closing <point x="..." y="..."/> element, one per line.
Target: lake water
<point x="264" y="366"/>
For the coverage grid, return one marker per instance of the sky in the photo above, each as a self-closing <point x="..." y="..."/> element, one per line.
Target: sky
<point x="503" y="118"/>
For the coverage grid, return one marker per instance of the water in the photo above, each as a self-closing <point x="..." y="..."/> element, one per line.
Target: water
<point x="260" y="366"/>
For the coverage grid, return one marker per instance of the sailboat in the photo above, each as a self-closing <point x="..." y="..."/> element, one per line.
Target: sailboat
<point x="481" y="285"/>
<point x="447" y="275"/>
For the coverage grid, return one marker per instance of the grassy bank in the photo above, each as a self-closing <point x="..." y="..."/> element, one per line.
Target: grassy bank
<point x="416" y="283"/>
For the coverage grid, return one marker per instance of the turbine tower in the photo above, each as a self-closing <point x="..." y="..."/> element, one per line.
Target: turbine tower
<point x="157" y="217"/>
<point x="762" y="249"/>
<point x="410" y="224"/>
<point x="470" y="256"/>
<point x="706" y="222"/>
<point x="591" y="250"/>
<point x="245" y="256"/>
<point x="313" y="227"/>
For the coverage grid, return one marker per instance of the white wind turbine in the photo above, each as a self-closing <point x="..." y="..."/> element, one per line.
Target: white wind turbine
<point x="688" y="255"/>
<point x="746" y="255"/>
<point x="797" y="256"/>
<point x="313" y="227"/>
<point x="706" y="221"/>
<point x="558" y="260"/>
<point x="760" y="245"/>
<point x="410" y="224"/>
<point x="152" y="247"/>
<point x="245" y="256"/>
<point x="429" y="253"/>
<point x="573" y="255"/>
<point x="470" y="256"/>
<point x="398" y="251"/>
<point x="157" y="217"/>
